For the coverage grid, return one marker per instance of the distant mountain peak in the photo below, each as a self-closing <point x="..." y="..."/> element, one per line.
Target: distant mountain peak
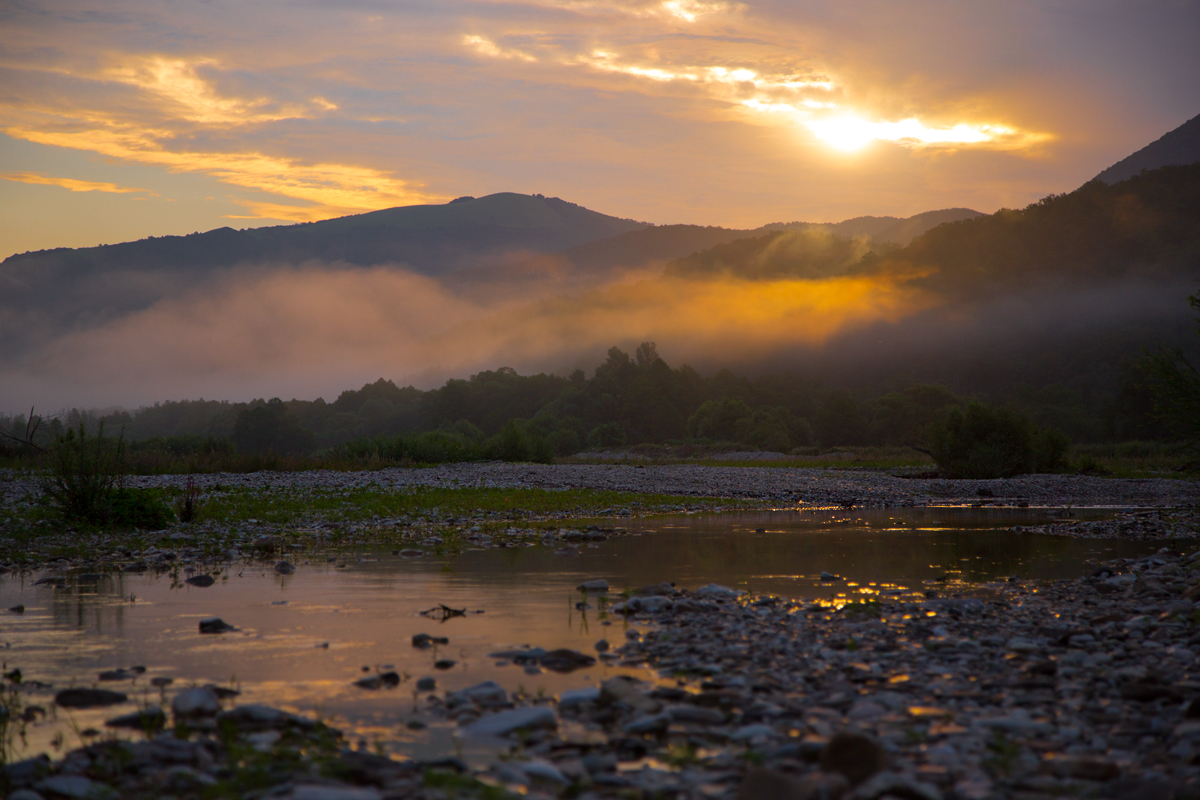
<point x="1180" y="146"/>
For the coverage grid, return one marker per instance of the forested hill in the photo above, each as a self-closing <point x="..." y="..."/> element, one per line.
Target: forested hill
<point x="1146" y="228"/>
<point x="432" y="240"/>
<point x="1180" y="146"/>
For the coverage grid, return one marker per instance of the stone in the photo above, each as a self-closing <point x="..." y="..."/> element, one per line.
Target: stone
<point x="696" y="714"/>
<point x="527" y="655"/>
<point x="215" y="625"/>
<point x="424" y="640"/>
<point x="284" y="568"/>
<point x="313" y="791"/>
<point x="25" y="794"/>
<point x="258" y="717"/>
<point x="654" y="723"/>
<point x="891" y="784"/>
<point x="75" y="786"/>
<point x="426" y="684"/>
<point x="150" y="718"/>
<point x="598" y="585"/>
<point x="196" y="703"/>
<point x="445" y="663"/>
<point x="656" y="589"/>
<point x="769" y="784"/>
<point x="564" y="660"/>
<point x="202" y="581"/>
<point x="854" y="755"/>
<point x="577" y="697"/>
<point x="715" y="591"/>
<point x="751" y="732"/>
<point x="542" y="770"/>
<point x="626" y="690"/>
<point x="486" y="693"/>
<point x="88" y="698"/>
<point x="505" y="722"/>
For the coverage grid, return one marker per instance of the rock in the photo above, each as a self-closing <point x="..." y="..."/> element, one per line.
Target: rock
<point x="444" y="663"/>
<point x="25" y="794"/>
<point x="201" y="581"/>
<point x="88" y="698"/>
<point x="284" y="568"/>
<point x="17" y="609"/>
<point x="1088" y="768"/>
<point x="264" y="544"/>
<point x="505" y="722"/>
<point x="314" y="791"/>
<point x="424" y="640"/>
<point x="652" y="604"/>
<point x="75" y="786"/>
<point x="769" y="784"/>
<point x="486" y="693"/>
<point x="829" y="576"/>
<point x="426" y="684"/>
<point x="577" y="697"/>
<point x="258" y="717"/>
<point x="411" y="553"/>
<point x="542" y="770"/>
<point x="855" y="755"/>
<point x="564" y="660"/>
<point x="598" y="585"/>
<point x="654" y="723"/>
<point x="656" y="589"/>
<point x="195" y="703"/>
<point x="601" y="646"/>
<point x="714" y="591"/>
<point x="150" y="718"/>
<point x="215" y="625"/>
<point x="528" y="655"/>
<point x="696" y="714"/>
<point x="890" y="784"/>
<point x="750" y="732"/>
<point x="628" y="691"/>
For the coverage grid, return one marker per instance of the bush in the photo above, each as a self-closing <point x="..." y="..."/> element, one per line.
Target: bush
<point x="85" y="474"/>
<point x="983" y="441"/>
<point x="515" y="444"/>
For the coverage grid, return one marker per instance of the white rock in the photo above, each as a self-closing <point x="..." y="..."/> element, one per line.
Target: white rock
<point x="506" y="722"/>
<point x="198" y="702"/>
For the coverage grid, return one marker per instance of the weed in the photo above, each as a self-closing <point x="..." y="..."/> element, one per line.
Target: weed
<point x="85" y="473"/>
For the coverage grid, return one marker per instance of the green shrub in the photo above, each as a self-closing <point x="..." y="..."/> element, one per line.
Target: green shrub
<point x="85" y="473"/>
<point x="984" y="441"/>
<point x="140" y="508"/>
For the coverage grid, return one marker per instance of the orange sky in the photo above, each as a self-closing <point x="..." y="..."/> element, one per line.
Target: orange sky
<point x="120" y="119"/>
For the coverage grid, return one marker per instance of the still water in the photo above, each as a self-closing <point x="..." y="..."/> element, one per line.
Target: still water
<point x="304" y="638"/>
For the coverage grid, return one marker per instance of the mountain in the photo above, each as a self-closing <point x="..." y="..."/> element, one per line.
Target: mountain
<point x="594" y="262"/>
<point x="896" y="230"/>
<point x="43" y="292"/>
<point x="431" y="240"/>
<point x="1180" y="146"/>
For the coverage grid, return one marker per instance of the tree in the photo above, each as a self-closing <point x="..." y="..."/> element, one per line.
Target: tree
<point x="1176" y="389"/>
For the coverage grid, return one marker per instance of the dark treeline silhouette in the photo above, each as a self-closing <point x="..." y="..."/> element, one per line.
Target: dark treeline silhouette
<point x="630" y="399"/>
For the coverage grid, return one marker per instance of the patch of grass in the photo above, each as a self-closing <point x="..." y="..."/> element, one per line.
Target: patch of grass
<point x="359" y="504"/>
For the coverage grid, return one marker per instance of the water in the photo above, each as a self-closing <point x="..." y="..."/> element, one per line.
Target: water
<point x="304" y="638"/>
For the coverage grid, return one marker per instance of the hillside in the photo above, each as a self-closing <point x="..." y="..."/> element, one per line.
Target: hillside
<point x="1180" y="146"/>
<point x="895" y="230"/>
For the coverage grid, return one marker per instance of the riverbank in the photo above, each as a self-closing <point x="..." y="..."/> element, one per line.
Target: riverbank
<point x="1015" y="689"/>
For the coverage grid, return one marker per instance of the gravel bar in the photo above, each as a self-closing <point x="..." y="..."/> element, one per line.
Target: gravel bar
<point x="785" y="486"/>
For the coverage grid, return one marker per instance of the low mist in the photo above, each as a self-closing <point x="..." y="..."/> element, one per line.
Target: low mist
<point x="314" y="331"/>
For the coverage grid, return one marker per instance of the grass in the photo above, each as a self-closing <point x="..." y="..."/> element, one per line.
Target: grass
<point x="364" y="504"/>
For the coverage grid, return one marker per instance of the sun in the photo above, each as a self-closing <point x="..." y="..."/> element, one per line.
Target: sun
<point x="846" y="132"/>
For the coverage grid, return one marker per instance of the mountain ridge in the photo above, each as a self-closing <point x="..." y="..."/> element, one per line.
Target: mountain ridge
<point x="1177" y="147"/>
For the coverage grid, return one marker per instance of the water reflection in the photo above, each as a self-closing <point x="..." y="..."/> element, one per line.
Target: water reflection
<point x="304" y="638"/>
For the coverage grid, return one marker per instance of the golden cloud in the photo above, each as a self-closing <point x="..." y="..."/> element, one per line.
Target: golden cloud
<point x="180" y="103"/>
<point x="72" y="184"/>
<point x="758" y="82"/>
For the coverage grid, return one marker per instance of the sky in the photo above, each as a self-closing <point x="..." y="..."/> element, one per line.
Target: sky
<point x="123" y="119"/>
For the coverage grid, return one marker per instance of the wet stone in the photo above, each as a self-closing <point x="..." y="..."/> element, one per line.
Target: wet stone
<point x="88" y="698"/>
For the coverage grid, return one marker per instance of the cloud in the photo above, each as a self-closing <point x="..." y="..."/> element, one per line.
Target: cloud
<point x="72" y="184"/>
<point x="313" y="331"/>
<point x="334" y="189"/>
